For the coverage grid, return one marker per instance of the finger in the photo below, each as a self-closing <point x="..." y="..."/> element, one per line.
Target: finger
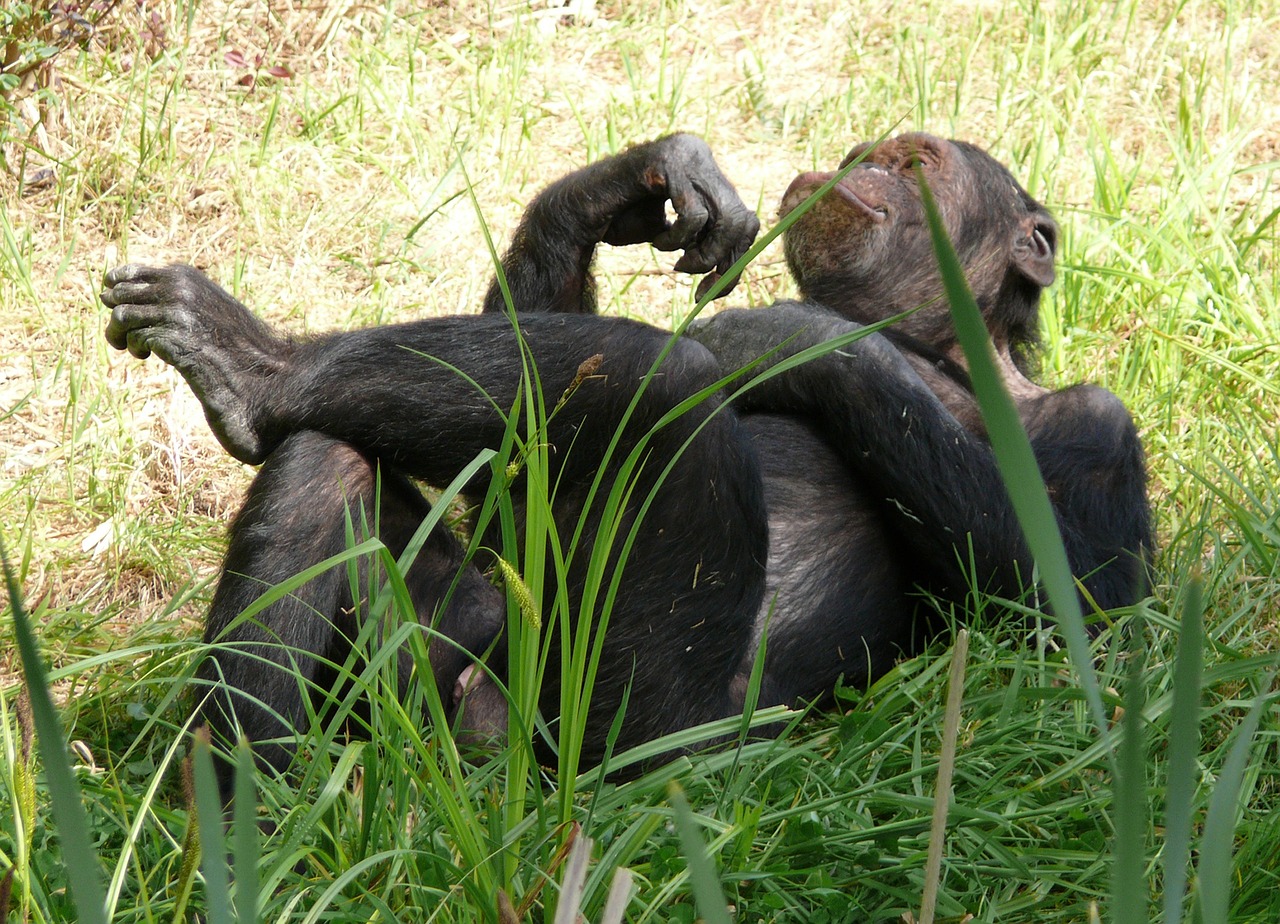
<point x="712" y="253"/>
<point x="724" y="243"/>
<point x="118" y="329"/>
<point x="722" y="271"/>
<point x="705" y="286"/>
<point x="121" y="274"/>
<point x="129" y="293"/>
<point x="117" y="336"/>
<point x="138" y="345"/>
<point x="130" y="319"/>
<point x="695" y="260"/>
<point x="692" y="214"/>
<point x="130" y="272"/>
<point x="743" y="242"/>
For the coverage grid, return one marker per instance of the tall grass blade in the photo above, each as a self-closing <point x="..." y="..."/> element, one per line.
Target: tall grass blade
<point x="184" y="884"/>
<point x="24" y="778"/>
<point x="213" y="847"/>
<point x="84" y="874"/>
<point x="691" y="737"/>
<point x="1217" y="841"/>
<point x="245" y="850"/>
<point x="712" y="906"/>
<point x="610" y="742"/>
<point x="1015" y="459"/>
<point x="575" y="879"/>
<point x="946" y="768"/>
<point x="1184" y="747"/>
<point x="620" y="890"/>
<point x="1128" y="861"/>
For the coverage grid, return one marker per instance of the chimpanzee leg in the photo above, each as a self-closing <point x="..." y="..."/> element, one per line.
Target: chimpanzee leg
<point x="262" y="669"/>
<point x="428" y="397"/>
<point x="694" y="572"/>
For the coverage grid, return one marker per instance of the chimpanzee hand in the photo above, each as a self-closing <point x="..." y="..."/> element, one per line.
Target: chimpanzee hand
<point x="223" y="351"/>
<point x="623" y="200"/>
<point x="712" y="226"/>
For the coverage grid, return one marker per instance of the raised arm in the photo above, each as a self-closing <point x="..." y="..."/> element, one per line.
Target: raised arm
<point x="622" y="200"/>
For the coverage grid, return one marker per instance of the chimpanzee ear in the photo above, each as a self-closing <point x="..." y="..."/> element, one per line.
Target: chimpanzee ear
<point x="1034" y="243"/>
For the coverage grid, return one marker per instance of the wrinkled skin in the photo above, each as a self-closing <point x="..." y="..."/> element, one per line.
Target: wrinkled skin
<point x="821" y="502"/>
<point x="864" y="250"/>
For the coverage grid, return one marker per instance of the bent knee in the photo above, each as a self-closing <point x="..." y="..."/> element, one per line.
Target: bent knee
<point x="688" y="368"/>
<point x="309" y="456"/>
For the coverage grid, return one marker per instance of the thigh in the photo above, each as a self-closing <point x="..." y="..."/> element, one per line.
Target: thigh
<point x="312" y="496"/>
<point x="670" y="549"/>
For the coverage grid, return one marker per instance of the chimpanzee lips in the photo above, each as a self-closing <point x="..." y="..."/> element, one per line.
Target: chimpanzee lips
<point x="804" y="185"/>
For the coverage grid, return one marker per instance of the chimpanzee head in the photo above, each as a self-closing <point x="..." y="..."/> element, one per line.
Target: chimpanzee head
<point x="864" y="249"/>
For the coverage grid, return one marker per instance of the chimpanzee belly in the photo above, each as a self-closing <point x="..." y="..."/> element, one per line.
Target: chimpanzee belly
<point x="837" y="598"/>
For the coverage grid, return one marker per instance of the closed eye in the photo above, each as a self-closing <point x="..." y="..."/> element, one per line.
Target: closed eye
<point x="862" y="150"/>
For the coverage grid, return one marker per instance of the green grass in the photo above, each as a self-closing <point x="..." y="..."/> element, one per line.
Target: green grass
<point x="358" y="192"/>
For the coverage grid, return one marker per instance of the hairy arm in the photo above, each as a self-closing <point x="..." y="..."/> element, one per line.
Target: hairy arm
<point x="622" y="200"/>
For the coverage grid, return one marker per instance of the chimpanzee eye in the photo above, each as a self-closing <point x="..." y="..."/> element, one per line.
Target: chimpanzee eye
<point x="859" y="151"/>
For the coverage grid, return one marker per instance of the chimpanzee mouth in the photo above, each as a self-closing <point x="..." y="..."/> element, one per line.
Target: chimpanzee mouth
<point x="875" y="212"/>
<point x="804" y="185"/>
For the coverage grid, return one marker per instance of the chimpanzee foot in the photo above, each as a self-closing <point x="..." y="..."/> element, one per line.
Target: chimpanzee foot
<point x="226" y="354"/>
<point x="481" y="709"/>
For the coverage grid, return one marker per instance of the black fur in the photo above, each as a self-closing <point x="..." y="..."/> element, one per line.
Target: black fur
<point x="829" y="495"/>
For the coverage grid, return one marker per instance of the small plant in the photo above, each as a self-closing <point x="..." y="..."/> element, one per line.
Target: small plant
<point x="32" y="37"/>
<point x="236" y="59"/>
<point x="28" y="46"/>
<point x="26" y="56"/>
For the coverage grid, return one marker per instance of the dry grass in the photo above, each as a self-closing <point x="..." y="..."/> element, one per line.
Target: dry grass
<point x="348" y="194"/>
<point x="111" y="483"/>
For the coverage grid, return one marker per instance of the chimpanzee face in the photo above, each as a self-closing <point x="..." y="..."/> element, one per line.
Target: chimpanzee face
<point x="864" y="249"/>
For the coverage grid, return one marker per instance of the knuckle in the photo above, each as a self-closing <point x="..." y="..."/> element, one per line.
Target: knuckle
<point x="121" y="273"/>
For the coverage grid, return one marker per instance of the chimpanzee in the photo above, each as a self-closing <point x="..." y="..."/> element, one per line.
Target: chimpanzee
<point x="828" y="501"/>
